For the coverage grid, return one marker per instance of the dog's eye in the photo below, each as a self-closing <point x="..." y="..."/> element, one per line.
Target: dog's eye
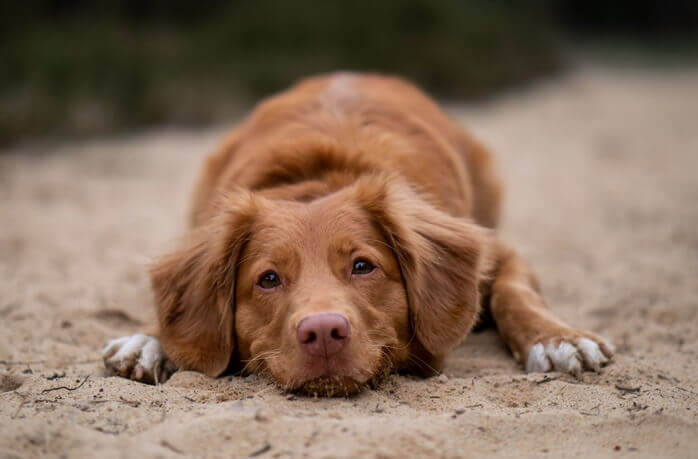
<point x="269" y="280"/>
<point x="362" y="267"/>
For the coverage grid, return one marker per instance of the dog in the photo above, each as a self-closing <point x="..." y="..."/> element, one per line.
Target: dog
<point x="345" y="230"/>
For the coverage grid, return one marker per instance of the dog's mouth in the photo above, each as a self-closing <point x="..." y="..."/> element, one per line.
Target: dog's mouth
<point x="330" y="386"/>
<point x="343" y="386"/>
<point x="333" y="379"/>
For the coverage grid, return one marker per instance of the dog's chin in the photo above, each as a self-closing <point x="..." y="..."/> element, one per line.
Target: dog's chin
<point x="341" y="385"/>
<point x="330" y="386"/>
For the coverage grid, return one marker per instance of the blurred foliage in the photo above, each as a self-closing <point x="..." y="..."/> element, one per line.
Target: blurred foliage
<point x="75" y="67"/>
<point x="84" y="67"/>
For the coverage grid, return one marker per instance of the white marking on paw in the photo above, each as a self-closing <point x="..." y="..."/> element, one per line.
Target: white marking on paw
<point x="138" y="357"/>
<point x="150" y="353"/>
<point x="592" y="354"/>
<point x="537" y="360"/>
<point x="564" y="358"/>
<point x="567" y="357"/>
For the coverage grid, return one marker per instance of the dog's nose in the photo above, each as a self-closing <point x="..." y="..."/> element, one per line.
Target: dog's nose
<point x="323" y="334"/>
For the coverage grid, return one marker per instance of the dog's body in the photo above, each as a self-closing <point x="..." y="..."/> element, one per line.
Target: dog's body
<point x="345" y="230"/>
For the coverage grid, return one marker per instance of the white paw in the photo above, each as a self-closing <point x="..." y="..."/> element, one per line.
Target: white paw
<point x="138" y="357"/>
<point x="566" y="357"/>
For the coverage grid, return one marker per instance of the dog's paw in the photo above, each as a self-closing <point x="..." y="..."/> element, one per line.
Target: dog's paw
<point x="569" y="353"/>
<point x="138" y="357"/>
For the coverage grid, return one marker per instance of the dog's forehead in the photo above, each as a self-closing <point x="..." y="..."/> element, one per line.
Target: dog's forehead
<point x="341" y="218"/>
<point x="317" y="223"/>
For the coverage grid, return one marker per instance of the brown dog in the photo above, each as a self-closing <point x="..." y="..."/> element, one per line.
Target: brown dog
<point x="343" y="231"/>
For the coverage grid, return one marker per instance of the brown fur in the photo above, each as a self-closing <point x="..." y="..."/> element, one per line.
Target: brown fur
<point x="336" y="167"/>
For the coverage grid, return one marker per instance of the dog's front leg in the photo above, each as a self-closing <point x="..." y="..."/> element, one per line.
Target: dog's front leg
<point x="138" y="357"/>
<point x="538" y="339"/>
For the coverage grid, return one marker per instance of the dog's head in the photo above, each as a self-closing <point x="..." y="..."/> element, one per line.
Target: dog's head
<point x="325" y="295"/>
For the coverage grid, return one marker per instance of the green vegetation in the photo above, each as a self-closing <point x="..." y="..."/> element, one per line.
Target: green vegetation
<point x="83" y="68"/>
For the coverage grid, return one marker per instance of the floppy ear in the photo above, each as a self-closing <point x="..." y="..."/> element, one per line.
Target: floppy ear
<point x="195" y="288"/>
<point x="440" y="258"/>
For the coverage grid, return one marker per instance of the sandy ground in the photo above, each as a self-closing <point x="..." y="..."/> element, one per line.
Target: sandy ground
<point x="602" y="195"/>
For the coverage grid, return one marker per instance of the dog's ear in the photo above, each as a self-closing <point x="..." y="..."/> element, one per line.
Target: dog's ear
<point x="440" y="257"/>
<point x="195" y="288"/>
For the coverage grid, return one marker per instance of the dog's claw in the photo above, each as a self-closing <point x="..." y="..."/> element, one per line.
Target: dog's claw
<point x="571" y="356"/>
<point x="138" y="357"/>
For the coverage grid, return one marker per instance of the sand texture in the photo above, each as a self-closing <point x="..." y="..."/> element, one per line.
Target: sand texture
<point x="602" y="175"/>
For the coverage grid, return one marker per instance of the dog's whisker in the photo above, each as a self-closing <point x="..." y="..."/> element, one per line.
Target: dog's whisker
<point x="419" y="361"/>
<point x="256" y="362"/>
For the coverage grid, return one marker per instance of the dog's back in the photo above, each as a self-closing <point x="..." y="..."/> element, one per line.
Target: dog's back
<point x="325" y="132"/>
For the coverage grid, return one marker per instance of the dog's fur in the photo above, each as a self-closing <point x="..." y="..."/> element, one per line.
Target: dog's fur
<point x="337" y="168"/>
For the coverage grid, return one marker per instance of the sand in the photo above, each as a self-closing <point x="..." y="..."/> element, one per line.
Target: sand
<point x="601" y="169"/>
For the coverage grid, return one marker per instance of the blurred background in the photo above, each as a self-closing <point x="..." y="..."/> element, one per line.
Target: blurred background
<point x="76" y="68"/>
